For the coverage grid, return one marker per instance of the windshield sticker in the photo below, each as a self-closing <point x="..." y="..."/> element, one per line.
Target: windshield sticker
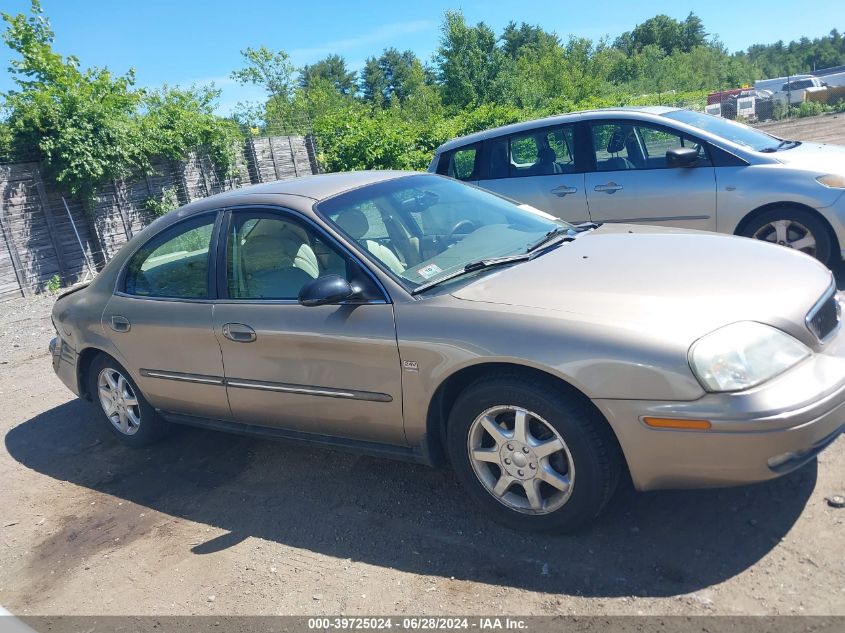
<point x="427" y="272"/>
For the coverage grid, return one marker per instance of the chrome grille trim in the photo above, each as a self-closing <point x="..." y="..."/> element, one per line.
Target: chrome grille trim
<point x="822" y="303"/>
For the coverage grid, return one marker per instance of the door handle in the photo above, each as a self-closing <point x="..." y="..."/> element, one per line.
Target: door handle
<point x="120" y="323"/>
<point x="610" y="187"/>
<point x="564" y="190"/>
<point x="239" y="333"/>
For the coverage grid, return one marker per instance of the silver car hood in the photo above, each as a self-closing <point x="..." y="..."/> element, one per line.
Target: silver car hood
<point x="670" y="283"/>
<point x="814" y="156"/>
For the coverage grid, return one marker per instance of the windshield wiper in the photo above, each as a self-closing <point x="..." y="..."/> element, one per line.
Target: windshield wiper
<point x="473" y="267"/>
<point x="570" y="232"/>
<point x="551" y="236"/>
<point x="781" y="145"/>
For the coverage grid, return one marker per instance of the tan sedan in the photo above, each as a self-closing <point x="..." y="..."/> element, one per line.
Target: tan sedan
<point x="412" y="316"/>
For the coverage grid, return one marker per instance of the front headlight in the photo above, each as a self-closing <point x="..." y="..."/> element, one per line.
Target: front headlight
<point x="742" y="355"/>
<point x="833" y="181"/>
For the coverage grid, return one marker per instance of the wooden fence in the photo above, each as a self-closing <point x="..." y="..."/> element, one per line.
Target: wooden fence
<point x="44" y="234"/>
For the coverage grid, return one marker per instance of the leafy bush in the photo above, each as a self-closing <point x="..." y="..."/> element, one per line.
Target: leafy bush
<point x="168" y="201"/>
<point x="54" y="285"/>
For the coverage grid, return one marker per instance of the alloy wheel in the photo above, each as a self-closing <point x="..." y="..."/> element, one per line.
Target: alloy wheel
<point x="788" y="233"/>
<point x="119" y="402"/>
<point x="521" y="460"/>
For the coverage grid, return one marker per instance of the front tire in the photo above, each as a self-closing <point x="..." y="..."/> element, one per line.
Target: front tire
<point x="794" y="228"/>
<point x="122" y="405"/>
<point x="535" y="456"/>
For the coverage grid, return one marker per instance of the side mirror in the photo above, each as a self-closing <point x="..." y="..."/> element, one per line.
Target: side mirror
<point x="325" y="290"/>
<point x="681" y="157"/>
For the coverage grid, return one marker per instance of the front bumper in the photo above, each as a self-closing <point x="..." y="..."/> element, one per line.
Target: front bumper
<point x="756" y="435"/>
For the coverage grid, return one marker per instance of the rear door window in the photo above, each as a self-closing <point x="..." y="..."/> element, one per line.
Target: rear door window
<point x="174" y="264"/>
<point x="541" y="152"/>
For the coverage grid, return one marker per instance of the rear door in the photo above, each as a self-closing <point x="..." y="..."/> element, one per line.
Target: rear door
<point x="631" y="181"/>
<point x="538" y="167"/>
<point x="159" y="319"/>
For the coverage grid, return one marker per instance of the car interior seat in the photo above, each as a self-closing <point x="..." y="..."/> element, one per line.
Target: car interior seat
<point x="356" y="225"/>
<point x="616" y="144"/>
<point x="277" y="265"/>
<point x="499" y="162"/>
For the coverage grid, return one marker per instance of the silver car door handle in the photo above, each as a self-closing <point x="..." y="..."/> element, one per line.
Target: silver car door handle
<point x="610" y="187"/>
<point x="564" y="190"/>
<point x="239" y="333"/>
<point x="120" y="323"/>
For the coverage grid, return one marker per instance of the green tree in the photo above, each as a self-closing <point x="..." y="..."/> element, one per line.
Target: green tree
<point x="525" y="38"/>
<point x="665" y="33"/>
<point x="80" y="122"/>
<point x="391" y="77"/>
<point x="333" y="70"/>
<point x="468" y="62"/>
<point x="177" y="121"/>
<point x="89" y="126"/>
<point x="271" y="70"/>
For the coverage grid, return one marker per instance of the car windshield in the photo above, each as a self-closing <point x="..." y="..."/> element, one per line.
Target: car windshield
<point x="730" y="130"/>
<point x="425" y="227"/>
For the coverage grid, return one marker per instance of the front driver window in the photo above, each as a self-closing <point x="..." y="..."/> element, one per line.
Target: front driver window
<point x="272" y="257"/>
<point x="173" y="264"/>
<point x="622" y="146"/>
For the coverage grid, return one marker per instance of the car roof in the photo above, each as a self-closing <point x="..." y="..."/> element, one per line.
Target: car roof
<point x="317" y="187"/>
<point x="557" y="119"/>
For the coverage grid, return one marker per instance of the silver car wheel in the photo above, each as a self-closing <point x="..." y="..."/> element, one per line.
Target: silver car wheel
<point x="119" y="402"/>
<point x="788" y="233"/>
<point x="521" y="460"/>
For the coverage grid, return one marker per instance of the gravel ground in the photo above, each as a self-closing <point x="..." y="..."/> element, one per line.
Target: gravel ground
<point x="208" y="523"/>
<point x="827" y="128"/>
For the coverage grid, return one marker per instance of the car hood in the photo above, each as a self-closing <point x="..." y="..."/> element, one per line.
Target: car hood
<point x="815" y="156"/>
<point x="671" y="283"/>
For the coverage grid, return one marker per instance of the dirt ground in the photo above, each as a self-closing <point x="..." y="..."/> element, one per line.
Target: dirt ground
<point x="208" y="523"/>
<point x="828" y="128"/>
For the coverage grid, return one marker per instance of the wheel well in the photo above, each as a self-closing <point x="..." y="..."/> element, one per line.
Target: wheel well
<point x="834" y="241"/>
<point x="444" y="399"/>
<point x="83" y="364"/>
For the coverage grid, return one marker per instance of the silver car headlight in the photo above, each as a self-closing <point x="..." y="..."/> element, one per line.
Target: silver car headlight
<point x="743" y="354"/>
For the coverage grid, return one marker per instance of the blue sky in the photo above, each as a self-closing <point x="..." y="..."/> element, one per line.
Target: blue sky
<point x="192" y="41"/>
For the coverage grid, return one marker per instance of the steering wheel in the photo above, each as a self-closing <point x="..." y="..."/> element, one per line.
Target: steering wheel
<point x="463" y="224"/>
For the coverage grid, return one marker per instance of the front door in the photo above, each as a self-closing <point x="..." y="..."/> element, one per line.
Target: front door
<point x="160" y="321"/>
<point x="331" y="369"/>
<point x="632" y="183"/>
<point x="538" y="167"/>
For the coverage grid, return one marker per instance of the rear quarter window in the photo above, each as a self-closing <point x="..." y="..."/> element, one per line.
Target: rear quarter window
<point x="460" y="163"/>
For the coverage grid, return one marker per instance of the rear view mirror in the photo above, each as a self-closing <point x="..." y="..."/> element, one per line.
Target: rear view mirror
<point x="681" y="157"/>
<point x="325" y="290"/>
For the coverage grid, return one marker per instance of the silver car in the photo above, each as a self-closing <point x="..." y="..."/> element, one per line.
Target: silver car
<point x="412" y="316"/>
<point x="664" y="166"/>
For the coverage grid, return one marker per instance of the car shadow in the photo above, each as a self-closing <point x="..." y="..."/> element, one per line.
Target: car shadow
<point x="405" y="516"/>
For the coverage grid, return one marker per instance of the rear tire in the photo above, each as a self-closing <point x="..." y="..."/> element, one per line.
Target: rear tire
<point x="121" y="404"/>
<point x="792" y="227"/>
<point x="557" y="474"/>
